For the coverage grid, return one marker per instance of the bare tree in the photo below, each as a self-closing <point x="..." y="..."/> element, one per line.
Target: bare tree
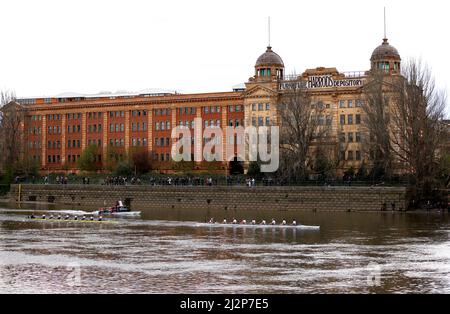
<point x="416" y="119"/>
<point x="403" y="121"/>
<point x="302" y="127"/>
<point x="10" y="129"/>
<point x="376" y="123"/>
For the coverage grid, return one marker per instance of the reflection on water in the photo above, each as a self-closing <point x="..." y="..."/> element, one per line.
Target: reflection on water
<point x="164" y="252"/>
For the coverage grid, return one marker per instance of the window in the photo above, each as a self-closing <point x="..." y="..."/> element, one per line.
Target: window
<point x="253" y="107"/>
<point x="237" y="122"/>
<point x="358" y="137"/>
<point x="157" y="126"/>
<point x="230" y="108"/>
<point x="260" y="121"/>
<point x="267" y="121"/>
<point x="156" y="141"/>
<point x="359" y="103"/>
<point x="328" y="119"/>
<point x="213" y="109"/>
<point x="163" y="126"/>
<point x="117" y="128"/>
<point x="342" y="104"/>
<point x="350" y="137"/>
<point x="206" y="123"/>
<point x="205" y="110"/>
<point x="254" y="121"/>
<point x="193" y="110"/>
<point x="350" y="103"/>
<point x="238" y="108"/>
<point x="350" y="155"/>
<point x="267" y="106"/>
<point x="342" y="119"/>
<point x="342" y="137"/>
<point x="321" y="120"/>
<point x="260" y="107"/>
<point x="350" y="119"/>
<point x="358" y="155"/>
<point x="218" y="123"/>
<point x="358" y="119"/>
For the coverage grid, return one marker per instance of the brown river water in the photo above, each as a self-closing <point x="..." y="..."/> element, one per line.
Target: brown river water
<point x="167" y="251"/>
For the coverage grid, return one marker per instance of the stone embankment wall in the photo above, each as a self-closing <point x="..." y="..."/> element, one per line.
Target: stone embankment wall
<point x="217" y="197"/>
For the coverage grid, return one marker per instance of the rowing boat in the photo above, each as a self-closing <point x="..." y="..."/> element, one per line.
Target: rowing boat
<point x="121" y="214"/>
<point x="250" y="226"/>
<point x="73" y="220"/>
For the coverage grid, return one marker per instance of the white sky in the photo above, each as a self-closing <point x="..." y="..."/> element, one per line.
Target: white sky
<point x="49" y="47"/>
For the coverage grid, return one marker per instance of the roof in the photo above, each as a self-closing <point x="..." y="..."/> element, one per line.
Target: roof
<point x="269" y="58"/>
<point x="384" y="51"/>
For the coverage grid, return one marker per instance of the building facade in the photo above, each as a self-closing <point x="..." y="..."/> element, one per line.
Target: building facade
<point x="58" y="129"/>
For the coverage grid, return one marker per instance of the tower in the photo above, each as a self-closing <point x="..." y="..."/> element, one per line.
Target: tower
<point x="385" y="57"/>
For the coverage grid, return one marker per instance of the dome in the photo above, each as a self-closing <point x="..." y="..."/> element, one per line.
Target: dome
<point x="385" y="51"/>
<point x="269" y="58"/>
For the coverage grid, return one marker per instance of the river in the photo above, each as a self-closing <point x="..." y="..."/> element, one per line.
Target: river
<point x="165" y="251"/>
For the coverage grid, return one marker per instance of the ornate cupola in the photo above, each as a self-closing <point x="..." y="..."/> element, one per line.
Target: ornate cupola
<point x="386" y="58"/>
<point x="269" y="66"/>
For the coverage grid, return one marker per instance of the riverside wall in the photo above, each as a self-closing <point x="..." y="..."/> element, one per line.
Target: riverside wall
<point x="298" y="198"/>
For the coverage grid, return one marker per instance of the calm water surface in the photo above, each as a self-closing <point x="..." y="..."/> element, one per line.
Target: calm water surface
<point x="164" y="251"/>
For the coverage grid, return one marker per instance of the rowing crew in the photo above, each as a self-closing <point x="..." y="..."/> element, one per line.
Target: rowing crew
<point x="253" y="222"/>
<point x="67" y="217"/>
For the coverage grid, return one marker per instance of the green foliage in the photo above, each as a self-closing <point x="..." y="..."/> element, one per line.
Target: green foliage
<point x="124" y="169"/>
<point x="254" y="169"/>
<point x="323" y="167"/>
<point x="88" y="159"/>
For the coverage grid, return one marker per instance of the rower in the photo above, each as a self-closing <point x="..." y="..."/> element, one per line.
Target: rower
<point x="75" y="218"/>
<point x="224" y="221"/>
<point x="294" y="222"/>
<point x="67" y="217"/>
<point x="51" y="217"/>
<point x="32" y="216"/>
<point x="211" y="221"/>
<point x="234" y="221"/>
<point x="263" y="222"/>
<point x="83" y="218"/>
<point x="243" y="222"/>
<point x="273" y="222"/>
<point x="43" y="216"/>
<point x="92" y="218"/>
<point x="59" y="217"/>
<point x="253" y="222"/>
<point x="283" y="222"/>
<point x="100" y="218"/>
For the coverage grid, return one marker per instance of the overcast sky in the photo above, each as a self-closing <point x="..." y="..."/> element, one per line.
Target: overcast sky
<point x="49" y="47"/>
